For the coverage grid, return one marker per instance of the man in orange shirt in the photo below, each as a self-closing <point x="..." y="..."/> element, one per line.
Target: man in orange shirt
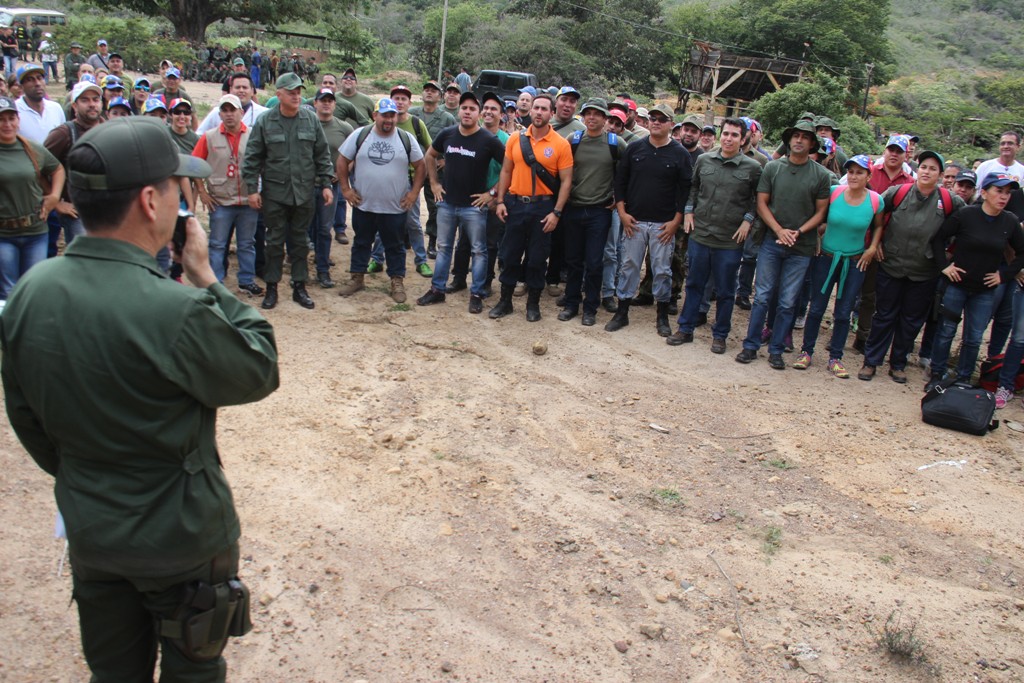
<point x="530" y="198"/>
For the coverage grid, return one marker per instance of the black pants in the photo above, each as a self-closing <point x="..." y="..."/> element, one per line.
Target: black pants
<point x="525" y="239"/>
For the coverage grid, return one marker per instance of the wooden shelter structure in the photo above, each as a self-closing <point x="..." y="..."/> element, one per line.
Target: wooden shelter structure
<point x="720" y="75"/>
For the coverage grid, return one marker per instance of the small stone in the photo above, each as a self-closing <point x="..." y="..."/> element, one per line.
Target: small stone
<point x="394" y="470"/>
<point x="445" y="529"/>
<point x="728" y="635"/>
<point x="447" y="667"/>
<point x="539" y="348"/>
<point x="652" y="631"/>
<point x="670" y="575"/>
<point x="696" y="650"/>
<point x="1019" y="604"/>
<point x="984" y="586"/>
<point x="266" y="599"/>
<point x="661" y="597"/>
<point x="313" y="588"/>
<point x="621" y="646"/>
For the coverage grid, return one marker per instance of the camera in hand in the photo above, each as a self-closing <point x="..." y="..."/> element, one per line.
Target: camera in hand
<point x="178" y="239"/>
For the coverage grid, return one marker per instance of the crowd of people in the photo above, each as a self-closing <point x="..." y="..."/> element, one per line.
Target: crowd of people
<point x="626" y="206"/>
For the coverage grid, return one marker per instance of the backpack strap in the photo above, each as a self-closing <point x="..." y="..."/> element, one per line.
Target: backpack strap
<point x="575" y="140"/>
<point x="840" y="189"/>
<point x="876" y="200"/>
<point x="536" y="169"/>
<point x="947" y="201"/>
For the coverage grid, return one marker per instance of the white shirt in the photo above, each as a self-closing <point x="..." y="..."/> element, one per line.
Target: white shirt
<point x="1014" y="170"/>
<point x="212" y="119"/>
<point x="35" y="126"/>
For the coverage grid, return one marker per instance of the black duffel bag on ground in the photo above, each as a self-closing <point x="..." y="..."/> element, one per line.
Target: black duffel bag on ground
<point x="960" y="407"/>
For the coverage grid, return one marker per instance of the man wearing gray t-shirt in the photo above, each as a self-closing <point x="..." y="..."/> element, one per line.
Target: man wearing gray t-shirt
<point x="373" y="171"/>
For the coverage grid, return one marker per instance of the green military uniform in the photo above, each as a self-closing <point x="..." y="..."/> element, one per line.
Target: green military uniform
<point x="291" y="155"/>
<point x="71" y="64"/>
<point x="363" y="103"/>
<point x="113" y="388"/>
<point x="349" y="113"/>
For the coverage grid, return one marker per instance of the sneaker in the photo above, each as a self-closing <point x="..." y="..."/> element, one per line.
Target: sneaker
<point x="476" y="304"/>
<point x="800" y="322"/>
<point x="609" y="304"/>
<point x="925" y="363"/>
<point x="746" y="356"/>
<point x="836" y="367"/>
<point x="324" y="280"/>
<point x="717" y="345"/>
<point x="374" y="267"/>
<point x="787" y="343"/>
<point x="867" y="373"/>
<point x="1003" y="396"/>
<point x="432" y="296"/>
<point x="424" y="270"/>
<point x="766" y="335"/>
<point x="775" y="361"/>
<point x="803" y="361"/>
<point x="340" y="238"/>
<point x="743" y="302"/>
<point x="252" y="289"/>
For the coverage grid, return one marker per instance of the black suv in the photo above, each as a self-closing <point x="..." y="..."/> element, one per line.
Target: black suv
<point x="504" y="84"/>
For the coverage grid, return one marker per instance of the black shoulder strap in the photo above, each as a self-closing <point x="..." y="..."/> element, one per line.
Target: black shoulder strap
<point x="536" y="169"/>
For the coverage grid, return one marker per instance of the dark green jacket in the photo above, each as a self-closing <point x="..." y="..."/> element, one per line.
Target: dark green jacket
<point x="113" y="374"/>
<point x="723" y="195"/>
<point x="290" y="161"/>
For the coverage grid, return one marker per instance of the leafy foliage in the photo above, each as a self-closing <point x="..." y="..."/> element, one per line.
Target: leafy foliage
<point x="824" y="95"/>
<point x="135" y="39"/>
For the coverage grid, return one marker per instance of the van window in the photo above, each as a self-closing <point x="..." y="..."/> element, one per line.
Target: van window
<point x="514" y="82"/>
<point x="489" y="80"/>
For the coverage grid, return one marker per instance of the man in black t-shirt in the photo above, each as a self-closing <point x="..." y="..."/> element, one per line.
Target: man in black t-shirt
<point x="463" y="199"/>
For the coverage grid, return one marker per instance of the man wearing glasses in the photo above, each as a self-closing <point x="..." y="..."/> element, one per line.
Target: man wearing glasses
<point x="651" y="188"/>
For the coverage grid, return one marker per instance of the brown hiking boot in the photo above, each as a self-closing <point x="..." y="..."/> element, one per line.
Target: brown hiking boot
<point x="398" y="290"/>
<point x="354" y="285"/>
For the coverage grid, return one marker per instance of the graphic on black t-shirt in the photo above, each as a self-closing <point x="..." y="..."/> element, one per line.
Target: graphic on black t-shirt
<point x="381" y="153"/>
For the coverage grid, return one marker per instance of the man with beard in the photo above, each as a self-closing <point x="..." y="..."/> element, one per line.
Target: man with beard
<point x="87" y="102"/>
<point x="349" y="94"/>
<point x="38" y="115"/>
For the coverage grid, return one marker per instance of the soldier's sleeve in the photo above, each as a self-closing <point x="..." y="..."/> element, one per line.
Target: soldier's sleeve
<point x="255" y="153"/>
<point x="225" y="353"/>
<point x="24" y="421"/>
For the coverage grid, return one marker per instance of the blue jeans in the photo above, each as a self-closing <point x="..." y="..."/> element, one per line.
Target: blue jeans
<point x="977" y="312"/>
<point x="10" y="64"/>
<point x="243" y="219"/>
<point x="339" y="215"/>
<point x="645" y="237"/>
<point x="387" y="227"/>
<point x="1002" y="318"/>
<point x="379" y="253"/>
<point x="819" y="303"/>
<point x="471" y="221"/>
<point x="17" y="255"/>
<point x="707" y="265"/>
<point x="586" y="235"/>
<point x="612" y="257"/>
<point x="1015" y="351"/>
<point x="320" y="229"/>
<point x="780" y="271"/>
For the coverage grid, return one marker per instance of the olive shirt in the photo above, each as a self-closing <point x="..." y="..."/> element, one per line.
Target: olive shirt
<point x="723" y="194"/>
<point x="291" y="155"/>
<point x="336" y="132"/>
<point x="593" y="172"/>
<point x="436" y="121"/>
<point x="112" y="374"/>
<point x="363" y="103"/>
<point x="348" y="112"/>
<point x="567" y="128"/>
<point x="20" y="193"/>
<point x="186" y="142"/>
<point x="794" y="190"/>
<point x="71" y="64"/>
<point x="906" y="241"/>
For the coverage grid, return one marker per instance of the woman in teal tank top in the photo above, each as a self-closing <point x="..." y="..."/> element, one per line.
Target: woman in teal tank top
<point x="839" y="263"/>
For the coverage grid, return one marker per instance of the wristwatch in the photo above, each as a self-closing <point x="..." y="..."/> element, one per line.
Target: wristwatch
<point x="492" y="192"/>
<point x="558" y="214"/>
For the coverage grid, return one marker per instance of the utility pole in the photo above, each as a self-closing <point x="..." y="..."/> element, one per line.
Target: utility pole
<point x="444" y="30"/>
<point x="867" y="90"/>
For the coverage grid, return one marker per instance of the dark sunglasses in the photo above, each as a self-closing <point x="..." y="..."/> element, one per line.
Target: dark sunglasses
<point x="658" y="119"/>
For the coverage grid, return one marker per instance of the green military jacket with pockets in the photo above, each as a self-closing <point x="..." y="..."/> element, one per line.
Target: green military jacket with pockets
<point x="293" y="159"/>
<point x="113" y="374"/>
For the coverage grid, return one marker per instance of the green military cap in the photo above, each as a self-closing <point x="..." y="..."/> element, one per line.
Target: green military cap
<point x="238" y="62"/>
<point x="928" y="154"/>
<point x="694" y="120"/>
<point x="805" y="126"/>
<point x="136" y="151"/>
<point x="662" y="109"/>
<point x="597" y="104"/>
<point x="808" y="116"/>
<point x="826" y="122"/>
<point x="288" y="81"/>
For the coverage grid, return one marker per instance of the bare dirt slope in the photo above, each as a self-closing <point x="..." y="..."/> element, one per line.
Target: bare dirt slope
<point x="424" y="499"/>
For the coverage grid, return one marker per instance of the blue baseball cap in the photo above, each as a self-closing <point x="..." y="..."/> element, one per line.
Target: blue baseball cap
<point x="999" y="180"/>
<point x="569" y="90"/>
<point x="154" y="103"/>
<point x="119" y="102"/>
<point x="386" y="105"/>
<point x="509" y="104"/>
<point x="530" y="89"/>
<point x="862" y="160"/>
<point x="113" y="83"/>
<point x="900" y="141"/>
<point x="172" y="73"/>
<point x="27" y="69"/>
<point x="87" y="78"/>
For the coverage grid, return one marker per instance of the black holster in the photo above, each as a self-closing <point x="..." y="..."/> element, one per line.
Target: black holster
<point x="207" y="617"/>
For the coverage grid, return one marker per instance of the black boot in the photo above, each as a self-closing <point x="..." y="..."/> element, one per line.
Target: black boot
<point x="533" y="305"/>
<point x="432" y="247"/>
<point x="621" y="317"/>
<point x="300" y="295"/>
<point x="504" y="305"/>
<point x="664" y="329"/>
<point x="270" y="298"/>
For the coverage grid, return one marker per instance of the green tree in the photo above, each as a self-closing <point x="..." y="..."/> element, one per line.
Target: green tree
<point x="824" y="95"/>
<point x="136" y="39"/>
<point x="191" y="17"/>
<point x="464" y="20"/>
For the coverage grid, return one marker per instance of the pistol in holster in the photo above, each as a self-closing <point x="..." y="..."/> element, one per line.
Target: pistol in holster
<point x="207" y="617"/>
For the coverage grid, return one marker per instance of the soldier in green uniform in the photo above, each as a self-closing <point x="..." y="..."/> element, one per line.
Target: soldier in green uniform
<point x="113" y="389"/>
<point x="72" y="61"/>
<point x="288" y="148"/>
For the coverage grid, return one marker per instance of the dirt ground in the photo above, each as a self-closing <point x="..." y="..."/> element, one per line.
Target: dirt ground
<point x="425" y="499"/>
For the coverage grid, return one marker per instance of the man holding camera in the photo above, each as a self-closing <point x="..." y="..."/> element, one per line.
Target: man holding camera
<point x="113" y="374"/>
